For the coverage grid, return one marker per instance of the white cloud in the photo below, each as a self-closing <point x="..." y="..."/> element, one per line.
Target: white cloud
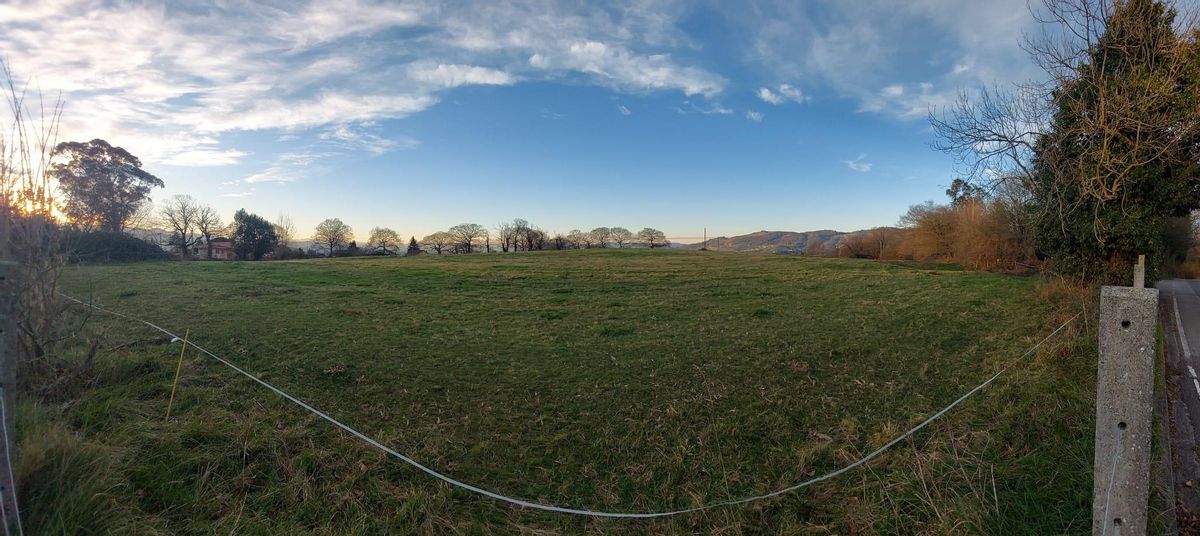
<point x="894" y="90"/>
<point x="858" y="164"/>
<point x="792" y="93"/>
<point x="358" y="137"/>
<point x="204" y="157"/>
<point x="618" y="67"/>
<point x="689" y="107"/>
<point x="171" y="83"/>
<point x="323" y="21"/>
<point x="752" y="115"/>
<point x="769" y="96"/>
<point x="287" y="167"/>
<point x="856" y="49"/>
<point x="623" y="110"/>
<point x="784" y="93"/>
<point x="449" y="76"/>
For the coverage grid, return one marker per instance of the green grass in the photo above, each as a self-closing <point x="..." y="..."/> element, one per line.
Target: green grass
<point x="613" y="380"/>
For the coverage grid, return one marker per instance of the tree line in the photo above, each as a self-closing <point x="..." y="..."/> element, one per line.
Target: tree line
<point x="105" y="190"/>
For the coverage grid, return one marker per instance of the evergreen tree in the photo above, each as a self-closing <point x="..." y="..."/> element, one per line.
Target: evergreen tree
<point x="253" y="236"/>
<point x="1118" y="163"/>
<point x="413" y="247"/>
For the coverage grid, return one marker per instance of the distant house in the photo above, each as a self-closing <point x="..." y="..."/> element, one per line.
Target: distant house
<point x="222" y="249"/>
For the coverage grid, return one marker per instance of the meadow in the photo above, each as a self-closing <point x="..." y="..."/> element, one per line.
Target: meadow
<point x="626" y="380"/>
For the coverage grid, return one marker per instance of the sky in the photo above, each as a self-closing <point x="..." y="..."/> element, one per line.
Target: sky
<point x="730" y="116"/>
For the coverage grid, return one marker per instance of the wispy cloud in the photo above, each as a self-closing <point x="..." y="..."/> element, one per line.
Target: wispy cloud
<point x="856" y="50"/>
<point x="783" y="93"/>
<point x="169" y="84"/>
<point x="204" y="157"/>
<point x="358" y="137"/>
<point x="858" y="164"/>
<point x="623" y="110"/>
<point x="449" y="76"/>
<point x="620" y="68"/>
<point x="287" y="167"/>
<point x="689" y="107"/>
<point x="752" y="115"/>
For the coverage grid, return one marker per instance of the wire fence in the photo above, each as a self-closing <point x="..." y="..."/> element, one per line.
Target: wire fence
<point x="564" y="509"/>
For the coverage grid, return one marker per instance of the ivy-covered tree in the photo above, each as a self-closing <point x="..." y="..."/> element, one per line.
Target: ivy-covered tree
<point x="1102" y="155"/>
<point x="1119" y="161"/>
<point x="253" y="236"/>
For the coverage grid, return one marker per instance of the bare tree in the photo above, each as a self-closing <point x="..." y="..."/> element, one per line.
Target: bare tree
<point x="181" y="214"/>
<point x="621" y="236"/>
<point x="559" y="242"/>
<point x="285" y="230"/>
<point x="384" y="240"/>
<point x="333" y="234"/>
<point x="208" y="222"/>
<point x="29" y="235"/>
<point x="467" y="236"/>
<point x="653" y="238"/>
<point x="600" y="237"/>
<point x="577" y="239"/>
<point x="507" y="234"/>
<point x="438" y="242"/>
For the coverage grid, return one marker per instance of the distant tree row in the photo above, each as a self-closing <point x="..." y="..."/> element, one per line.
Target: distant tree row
<point x="519" y="235"/>
<point x="105" y="189"/>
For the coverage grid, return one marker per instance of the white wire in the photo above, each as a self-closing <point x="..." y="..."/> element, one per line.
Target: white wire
<point x="1112" y="475"/>
<point x="578" y="511"/>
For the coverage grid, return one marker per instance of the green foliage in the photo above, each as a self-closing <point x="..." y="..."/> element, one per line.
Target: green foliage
<point x="624" y="379"/>
<point x="102" y="185"/>
<point x="108" y="246"/>
<point x="253" y="236"/>
<point x="1120" y="160"/>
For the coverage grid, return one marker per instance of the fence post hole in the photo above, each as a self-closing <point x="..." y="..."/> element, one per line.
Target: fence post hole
<point x="1124" y="409"/>
<point x="1139" y="273"/>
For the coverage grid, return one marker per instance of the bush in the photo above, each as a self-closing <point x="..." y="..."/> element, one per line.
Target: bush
<point x="108" y="246"/>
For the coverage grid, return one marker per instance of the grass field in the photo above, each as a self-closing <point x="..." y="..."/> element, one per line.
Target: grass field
<point x="626" y="380"/>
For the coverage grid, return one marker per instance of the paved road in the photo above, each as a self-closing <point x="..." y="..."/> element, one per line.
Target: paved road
<point x="1179" y="306"/>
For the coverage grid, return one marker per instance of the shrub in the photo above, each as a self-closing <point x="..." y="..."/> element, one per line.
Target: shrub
<point x="108" y="246"/>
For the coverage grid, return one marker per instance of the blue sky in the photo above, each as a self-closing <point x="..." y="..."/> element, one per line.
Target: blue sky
<point x="734" y="116"/>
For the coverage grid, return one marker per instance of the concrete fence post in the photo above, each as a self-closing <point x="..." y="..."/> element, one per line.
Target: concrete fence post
<point x="1139" y="273"/>
<point x="1124" y="410"/>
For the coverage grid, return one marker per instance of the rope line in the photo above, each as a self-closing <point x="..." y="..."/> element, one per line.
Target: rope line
<point x="562" y="509"/>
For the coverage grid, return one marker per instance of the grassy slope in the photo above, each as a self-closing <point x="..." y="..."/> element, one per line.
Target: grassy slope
<point x="623" y="380"/>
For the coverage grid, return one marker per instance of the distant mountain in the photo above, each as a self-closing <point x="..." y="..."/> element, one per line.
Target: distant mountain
<point x="788" y="242"/>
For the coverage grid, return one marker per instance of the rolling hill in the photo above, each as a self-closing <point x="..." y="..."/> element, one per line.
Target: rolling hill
<point x="789" y="242"/>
